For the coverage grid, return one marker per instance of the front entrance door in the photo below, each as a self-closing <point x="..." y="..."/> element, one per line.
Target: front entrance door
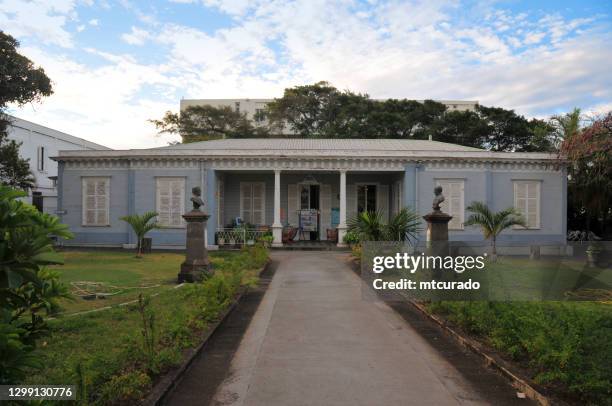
<point x="309" y="200"/>
<point x="366" y="198"/>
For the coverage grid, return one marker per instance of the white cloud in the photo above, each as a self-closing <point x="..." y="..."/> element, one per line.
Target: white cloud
<point x="94" y="22"/>
<point x="43" y="20"/>
<point x="414" y="49"/>
<point x="136" y="37"/>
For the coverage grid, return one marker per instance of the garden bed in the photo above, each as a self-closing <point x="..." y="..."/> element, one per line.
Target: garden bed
<point x="106" y="353"/>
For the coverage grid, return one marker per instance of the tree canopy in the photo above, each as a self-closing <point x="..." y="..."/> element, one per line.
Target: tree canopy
<point x="202" y="123"/>
<point x="322" y="111"/>
<point x="20" y="82"/>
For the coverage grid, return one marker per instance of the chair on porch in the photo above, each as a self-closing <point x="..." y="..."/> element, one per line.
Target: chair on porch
<point x="289" y="234"/>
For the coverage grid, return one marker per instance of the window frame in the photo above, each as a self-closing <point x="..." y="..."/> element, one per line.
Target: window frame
<point x="182" y="203"/>
<point x="40" y="159"/>
<point x="447" y="197"/>
<point x="537" y="198"/>
<point x="366" y="184"/>
<point x="84" y="209"/>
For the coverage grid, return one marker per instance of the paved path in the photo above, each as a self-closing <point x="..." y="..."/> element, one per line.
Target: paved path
<point x="315" y="341"/>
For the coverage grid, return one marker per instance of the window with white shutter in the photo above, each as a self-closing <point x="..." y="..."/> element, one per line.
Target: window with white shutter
<point x="453" y="204"/>
<point x="527" y="201"/>
<point x="253" y="202"/>
<point x="96" y="196"/>
<point x="170" y="205"/>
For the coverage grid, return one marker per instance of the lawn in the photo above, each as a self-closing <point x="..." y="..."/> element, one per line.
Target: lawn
<point x="114" y="356"/>
<point x="121" y="274"/>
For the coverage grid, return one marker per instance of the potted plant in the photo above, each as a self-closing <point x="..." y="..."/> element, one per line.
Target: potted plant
<point x="593" y="253"/>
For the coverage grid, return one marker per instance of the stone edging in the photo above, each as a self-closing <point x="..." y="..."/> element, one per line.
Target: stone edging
<point x="491" y="361"/>
<point x="168" y="381"/>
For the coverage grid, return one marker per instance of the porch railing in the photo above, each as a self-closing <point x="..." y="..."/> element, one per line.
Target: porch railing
<point x="239" y="236"/>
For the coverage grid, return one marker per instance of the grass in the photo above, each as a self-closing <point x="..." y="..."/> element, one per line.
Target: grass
<point x="551" y="316"/>
<point x="123" y="275"/>
<point x="104" y="353"/>
<point x="567" y="346"/>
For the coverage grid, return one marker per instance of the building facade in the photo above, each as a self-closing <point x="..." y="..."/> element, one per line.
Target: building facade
<point x="274" y="184"/>
<point x="38" y="145"/>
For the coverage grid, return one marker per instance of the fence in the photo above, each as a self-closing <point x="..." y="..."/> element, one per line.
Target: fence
<point x="239" y="236"/>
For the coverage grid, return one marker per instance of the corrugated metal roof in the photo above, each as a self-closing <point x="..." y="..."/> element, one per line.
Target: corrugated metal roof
<point x="321" y="144"/>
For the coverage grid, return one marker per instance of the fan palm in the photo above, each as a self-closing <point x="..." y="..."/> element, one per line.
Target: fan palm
<point x="403" y="225"/>
<point x="141" y="224"/>
<point x="369" y="226"/>
<point x="493" y="223"/>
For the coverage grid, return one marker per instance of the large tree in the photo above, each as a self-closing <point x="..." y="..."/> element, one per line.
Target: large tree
<point x="588" y="152"/>
<point x="20" y="82"/>
<point x="202" y="123"/>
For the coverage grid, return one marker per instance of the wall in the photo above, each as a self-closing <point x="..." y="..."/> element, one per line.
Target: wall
<point x="501" y="196"/>
<point x="32" y="136"/>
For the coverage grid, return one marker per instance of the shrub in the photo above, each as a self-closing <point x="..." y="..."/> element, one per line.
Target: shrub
<point x="565" y="344"/>
<point x="28" y="292"/>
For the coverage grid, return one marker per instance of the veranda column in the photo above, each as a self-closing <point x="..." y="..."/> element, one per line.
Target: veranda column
<point x="342" y="224"/>
<point x="277" y="226"/>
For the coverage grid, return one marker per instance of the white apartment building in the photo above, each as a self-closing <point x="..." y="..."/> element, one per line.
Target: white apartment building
<point x="38" y="144"/>
<point x="252" y="106"/>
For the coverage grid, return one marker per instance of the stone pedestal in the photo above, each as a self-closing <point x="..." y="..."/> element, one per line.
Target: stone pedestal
<point x="437" y="237"/>
<point x="196" y="264"/>
<point x="437" y="232"/>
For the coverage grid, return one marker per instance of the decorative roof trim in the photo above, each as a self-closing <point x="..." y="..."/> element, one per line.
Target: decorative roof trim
<point x="308" y="163"/>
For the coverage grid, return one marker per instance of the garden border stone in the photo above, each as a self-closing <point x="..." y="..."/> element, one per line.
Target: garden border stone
<point x="168" y="381"/>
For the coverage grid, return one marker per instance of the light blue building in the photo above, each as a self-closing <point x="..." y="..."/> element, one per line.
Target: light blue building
<point x="271" y="183"/>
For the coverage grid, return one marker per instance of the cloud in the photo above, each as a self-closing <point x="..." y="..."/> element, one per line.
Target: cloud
<point x="136" y="37"/>
<point x="40" y="19"/>
<point x="94" y="22"/>
<point x="537" y="64"/>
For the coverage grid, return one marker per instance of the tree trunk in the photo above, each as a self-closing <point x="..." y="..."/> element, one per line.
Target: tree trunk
<point x="139" y="248"/>
<point x="494" y="249"/>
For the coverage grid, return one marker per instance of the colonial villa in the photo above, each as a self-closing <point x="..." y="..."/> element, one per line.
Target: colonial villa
<point x="303" y="189"/>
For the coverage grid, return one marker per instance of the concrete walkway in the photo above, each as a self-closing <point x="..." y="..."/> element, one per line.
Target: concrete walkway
<point x="315" y="341"/>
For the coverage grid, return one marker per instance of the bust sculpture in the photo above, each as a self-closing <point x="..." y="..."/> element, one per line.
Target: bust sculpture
<point x="196" y="198"/>
<point x="438" y="198"/>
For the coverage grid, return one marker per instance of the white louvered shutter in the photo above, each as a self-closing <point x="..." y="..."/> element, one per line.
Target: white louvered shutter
<point x="170" y="201"/>
<point x="351" y="202"/>
<point x="292" y="204"/>
<point x="326" y="197"/>
<point x="453" y="192"/>
<point x="259" y="206"/>
<point x="220" y="204"/>
<point x="96" y="201"/>
<point x="246" y="202"/>
<point x="383" y="201"/>
<point x="527" y="201"/>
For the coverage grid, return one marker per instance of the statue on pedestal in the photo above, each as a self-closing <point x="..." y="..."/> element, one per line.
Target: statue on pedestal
<point x="438" y="199"/>
<point x="196" y="198"/>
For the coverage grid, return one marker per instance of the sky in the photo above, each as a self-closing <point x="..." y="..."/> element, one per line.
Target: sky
<point x="116" y="64"/>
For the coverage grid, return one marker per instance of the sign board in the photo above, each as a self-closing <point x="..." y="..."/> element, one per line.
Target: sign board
<point x="309" y="220"/>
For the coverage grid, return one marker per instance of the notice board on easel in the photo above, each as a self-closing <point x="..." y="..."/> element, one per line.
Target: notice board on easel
<point x="309" y="220"/>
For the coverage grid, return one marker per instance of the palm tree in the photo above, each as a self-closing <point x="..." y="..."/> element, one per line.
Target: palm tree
<point x="491" y="223"/>
<point x="403" y="225"/>
<point x="566" y="126"/>
<point x="141" y="226"/>
<point x="369" y="226"/>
